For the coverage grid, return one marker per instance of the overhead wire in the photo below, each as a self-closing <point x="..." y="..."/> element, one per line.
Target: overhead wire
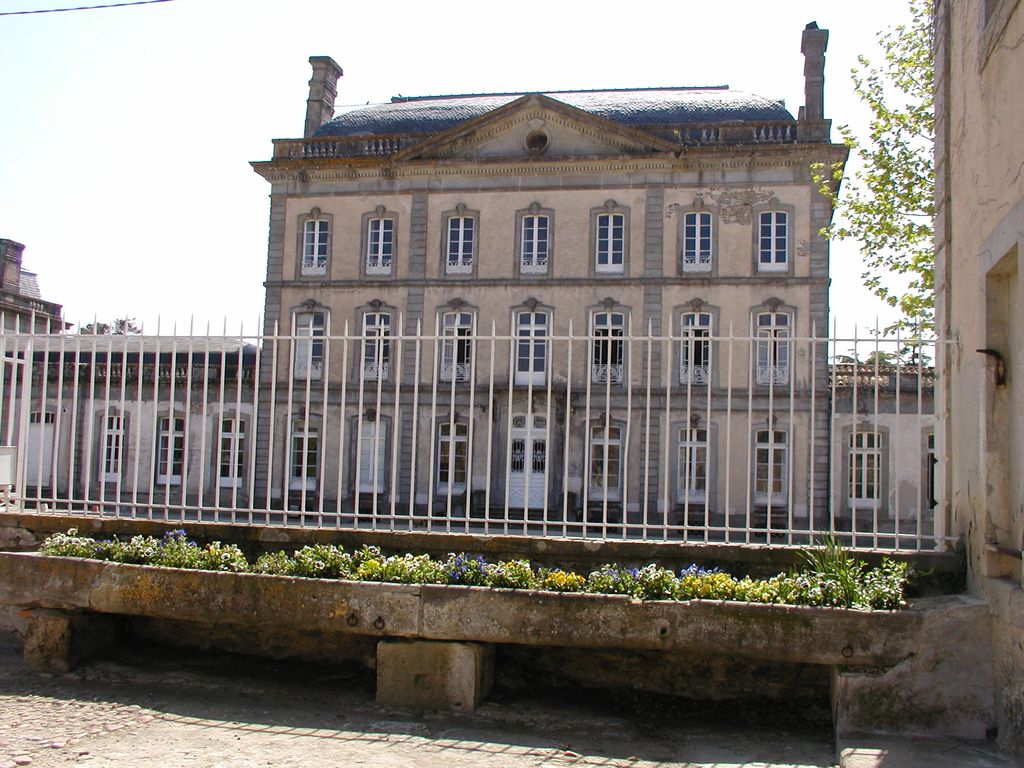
<point x="83" y="7"/>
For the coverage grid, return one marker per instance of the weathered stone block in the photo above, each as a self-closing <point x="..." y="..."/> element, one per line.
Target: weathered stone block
<point x="56" y="641"/>
<point x="944" y="687"/>
<point x="426" y="675"/>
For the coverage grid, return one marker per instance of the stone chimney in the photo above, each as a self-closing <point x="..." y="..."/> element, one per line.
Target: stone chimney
<point x="10" y="264"/>
<point x="323" y="89"/>
<point x="812" y="45"/>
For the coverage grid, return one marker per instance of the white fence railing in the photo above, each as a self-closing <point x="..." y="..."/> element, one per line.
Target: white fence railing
<point x="771" y="439"/>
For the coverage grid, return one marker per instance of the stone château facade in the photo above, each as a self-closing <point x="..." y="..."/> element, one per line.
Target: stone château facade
<point x="497" y="225"/>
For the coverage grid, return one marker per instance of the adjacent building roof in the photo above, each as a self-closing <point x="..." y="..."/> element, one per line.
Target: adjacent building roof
<point x="635" y="107"/>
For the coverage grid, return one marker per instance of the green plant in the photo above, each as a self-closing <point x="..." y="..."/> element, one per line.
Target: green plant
<point x="466" y="570"/>
<point x="831" y="576"/>
<point x="837" y="575"/>
<point x="612" y="580"/>
<point x="274" y="564"/>
<point x="558" y="580"/>
<point x="69" y="544"/>
<point x="323" y="561"/>
<point x="511" y="574"/>
<point x="653" y="582"/>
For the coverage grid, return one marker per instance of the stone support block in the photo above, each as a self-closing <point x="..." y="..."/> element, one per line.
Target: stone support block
<point x="944" y="687"/>
<point x="56" y="641"/>
<point x="430" y="675"/>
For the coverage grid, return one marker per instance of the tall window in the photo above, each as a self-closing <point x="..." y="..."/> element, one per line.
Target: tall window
<point x="231" y="460"/>
<point x="773" y="241"/>
<point x="770" y="462"/>
<point x="376" y="346"/>
<point x="316" y="235"/>
<point x="170" y="450"/>
<point x="609" y="352"/>
<point x="452" y="458"/>
<point x="610" y="242"/>
<point x="531" y="353"/>
<point x="380" y="246"/>
<point x="310" y="328"/>
<point x="456" y="346"/>
<point x="113" y="448"/>
<point x="692" y="466"/>
<point x="372" y="466"/>
<point x="533" y="254"/>
<point x="695" y="348"/>
<point x="697" y="241"/>
<point x="305" y="456"/>
<point x="865" y="469"/>
<point x="605" y="463"/>
<point x="460" y="243"/>
<point x="773" y="331"/>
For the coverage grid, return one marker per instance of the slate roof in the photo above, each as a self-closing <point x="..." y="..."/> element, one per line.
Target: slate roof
<point x="636" y="108"/>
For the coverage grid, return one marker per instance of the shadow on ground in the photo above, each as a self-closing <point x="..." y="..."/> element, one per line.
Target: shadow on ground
<point x="520" y="725"/>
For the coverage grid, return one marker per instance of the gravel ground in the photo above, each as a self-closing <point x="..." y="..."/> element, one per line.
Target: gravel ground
<point x="149" y="706"/>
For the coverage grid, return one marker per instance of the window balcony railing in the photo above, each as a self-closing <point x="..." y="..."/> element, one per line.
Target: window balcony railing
<point x="533" y="267"/>
<point x="772" y="374"/>
<point x="459" y="370"/>
<point x="694" y="374"/>
<point x="309" y="369"/>
<point x="603" y="373"/>
<point x="376" y="371"/>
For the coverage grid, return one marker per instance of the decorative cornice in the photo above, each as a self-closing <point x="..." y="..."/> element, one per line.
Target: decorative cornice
<point x="709" y="158"/>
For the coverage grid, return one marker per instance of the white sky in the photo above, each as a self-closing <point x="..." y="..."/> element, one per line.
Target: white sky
<point x="127" y="133"/>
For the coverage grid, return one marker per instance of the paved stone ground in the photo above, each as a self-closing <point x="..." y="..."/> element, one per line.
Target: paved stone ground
<point x="149" y="707"/>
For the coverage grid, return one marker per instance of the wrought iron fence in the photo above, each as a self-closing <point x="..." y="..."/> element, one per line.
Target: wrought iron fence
<point x="752" y="438"/>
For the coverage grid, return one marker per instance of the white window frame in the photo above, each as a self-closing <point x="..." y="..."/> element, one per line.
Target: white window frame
<point x="231" y="451"/>
<point x="460" y="245"/>
<point x="693" y="468"/>
<point x="310" y="344"/>
<point x="456" y="346"/>
<point x="864" y="470"/>
<point x="451" y="478"/>
<point x="698" y="241"/>
<point x="695" y="348"/>
<point x="376" y="356"/>
<point x="610" y="249"/>
<point x="535" y="239"/>
<point x="773" y="347"/>
<point x="304" y="456"/>
<point x="170" y="449"/>
<point x="604" y="462"/>
<point x="771" y="466"/>
<point x="532" y="331"/>
<point x="371" y="466"/>
<point x="316" y="246"/>
<point x="608" y="349"/>
<point x="773" y="236"/>
<point x="113" y="444"/>
<point x="380" y="246"/>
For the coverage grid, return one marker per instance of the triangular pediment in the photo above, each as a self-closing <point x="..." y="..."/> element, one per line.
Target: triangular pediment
<point x="535" y="126"/>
